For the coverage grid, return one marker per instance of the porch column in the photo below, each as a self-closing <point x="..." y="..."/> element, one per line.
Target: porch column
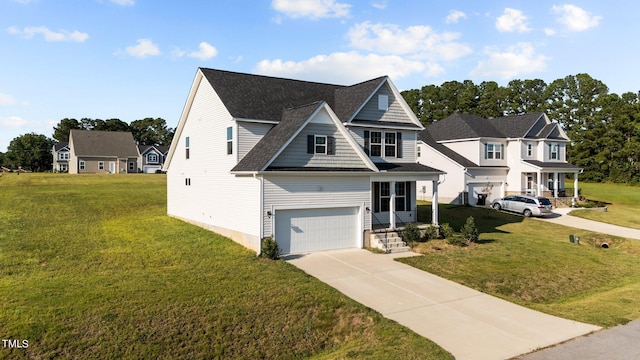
<point x="575" y="185"/>
<point x="392" y="204"/>
<point x="556" y="184"/>
<point x="434" y="204"/>
<point x="539" y="188"/>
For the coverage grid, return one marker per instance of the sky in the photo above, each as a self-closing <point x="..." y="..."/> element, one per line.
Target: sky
<point x="132" y="59"/>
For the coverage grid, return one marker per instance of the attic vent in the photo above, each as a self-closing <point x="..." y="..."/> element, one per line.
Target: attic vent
<point x="383" y="102"/>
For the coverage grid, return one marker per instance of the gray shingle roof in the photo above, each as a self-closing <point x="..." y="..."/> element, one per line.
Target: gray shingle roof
<point x="61" y="145"/>
<point x="103" y="143"/>
<point x="426" y="137"/>
<point x="249" y="96"/>
<point x="553" y="165"/>
<point x="406" y="167"/>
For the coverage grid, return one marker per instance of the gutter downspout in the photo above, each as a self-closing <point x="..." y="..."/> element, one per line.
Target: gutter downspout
<point x="261" y="216"/>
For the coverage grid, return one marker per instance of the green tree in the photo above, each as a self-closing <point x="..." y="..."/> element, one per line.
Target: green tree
<point x="523" y="96"/>
<point x="30" y="151"/>
<point x="64" y="127"/>
<point x="149" y="131"/>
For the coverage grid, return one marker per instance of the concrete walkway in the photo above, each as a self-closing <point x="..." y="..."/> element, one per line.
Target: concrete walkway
<point x="561" y="217"/>
<point x="467" y="323"/>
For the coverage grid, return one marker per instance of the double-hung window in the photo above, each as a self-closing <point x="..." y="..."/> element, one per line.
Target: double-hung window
<point x="100" y="165"/>
<point x="554" y="152"/>
<point x="229" y="140"/>
<point x="186" y="147"/>
<point x="82" y="164"/>
<point x="375" y="144"/>
<point x="152" y="158"/>
<point x="389" y="144"/>
<point x="529" y="149"/>
<point x="320" y="144"/>
<point x="493" y="151"/>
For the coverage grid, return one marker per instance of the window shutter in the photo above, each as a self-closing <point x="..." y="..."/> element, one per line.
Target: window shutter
<point x="310" y="144"/>
<point x="549" y="151"/>
<point x="376" y="197"/>
<point x="502" y="151"/>
<point x="399" y="145"/>
<point x="331" y="145"/>
<point x="486" y="151"/>
<point x="366" y="142"/>
<point x="407" y="197"/>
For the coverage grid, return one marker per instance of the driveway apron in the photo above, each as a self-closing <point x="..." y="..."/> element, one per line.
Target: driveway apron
<point x="467" y="323"/>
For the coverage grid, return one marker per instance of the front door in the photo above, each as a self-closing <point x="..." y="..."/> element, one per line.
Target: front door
<point x="112" y="167"/>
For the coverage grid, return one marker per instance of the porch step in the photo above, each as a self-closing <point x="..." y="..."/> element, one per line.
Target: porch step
<point x="394" y="242"/>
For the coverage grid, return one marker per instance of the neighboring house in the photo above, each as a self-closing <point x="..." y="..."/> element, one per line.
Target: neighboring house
<point x="61" y="155"/>
<point x="151" y="158"/>
<point x="489" y="158"/>
<point x="314" y="165"/>
<point x="97" y="152"/>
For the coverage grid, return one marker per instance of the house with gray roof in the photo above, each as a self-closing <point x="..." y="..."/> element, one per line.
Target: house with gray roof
<point x="490" y="158"/>
<point x="315" y="166"/>
<point x="102" y="152"/>
<point x="151" y="158"/>
<point x="60" y="152"/>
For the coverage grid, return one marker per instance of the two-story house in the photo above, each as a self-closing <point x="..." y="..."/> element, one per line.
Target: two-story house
<point x="61" y="155"/>
<point x="151" y="158"/>
<point x="489" y="158"/>
<point x="316" y="166"/>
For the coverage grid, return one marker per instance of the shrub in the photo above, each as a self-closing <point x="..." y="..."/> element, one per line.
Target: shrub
<point x="457" y="240"/>
<point x="446" y="231"/>
<point x="469" y="230"/>
<point x="411" y="234"/>
<point x="430" y="233"/>
<point x="270" y="248"/>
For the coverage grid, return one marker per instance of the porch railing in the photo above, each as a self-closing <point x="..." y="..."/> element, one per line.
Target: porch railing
<point x="385" y="241"/>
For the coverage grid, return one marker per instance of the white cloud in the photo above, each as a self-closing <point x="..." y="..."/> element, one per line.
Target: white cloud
<point x="206" y="52"/>
<point x="512" y="20"/>
<point x="6" y="99"/>
<point x="124" y="2"/>
<point x="12" y="122"/>
<point x="49" y="35"/>
<point x="513" y="61"/>
<point x="575" y="18"/>
<point x="347" y="67"/>
<point x="455" y="16"/>
<point x="549" y="31"/>
<point x="416" y="41"/>
<point x="144" y="48"/>
<point x="313" y="9"/>
<point x="380" y="5"/>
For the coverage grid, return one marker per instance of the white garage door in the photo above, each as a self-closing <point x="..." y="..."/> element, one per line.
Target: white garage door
<point x="306" y="230"/>
<point x="492" y="190"/>
<point x="151" y="169"/>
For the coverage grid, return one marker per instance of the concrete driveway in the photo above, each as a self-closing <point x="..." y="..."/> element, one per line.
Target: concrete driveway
<point x="467" y="323"/>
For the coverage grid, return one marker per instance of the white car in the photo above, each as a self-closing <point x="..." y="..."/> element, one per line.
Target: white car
<point x="524" y="204"/>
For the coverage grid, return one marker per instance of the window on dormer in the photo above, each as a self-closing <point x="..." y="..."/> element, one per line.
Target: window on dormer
<point x="152" y="158"/>
<point x="389" y="144"/>
<point x="383" y="102"/>
<point x="554" y="152"/>
<point x="375" y="143"/>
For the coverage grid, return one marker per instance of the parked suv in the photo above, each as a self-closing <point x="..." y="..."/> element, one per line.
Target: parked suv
<point x="524" y="204"/>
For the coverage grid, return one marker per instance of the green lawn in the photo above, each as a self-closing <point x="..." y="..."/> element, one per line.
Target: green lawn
<point x="532" y="263"/>
<point x="623" y="204"/>
<point x="91" y="267"/>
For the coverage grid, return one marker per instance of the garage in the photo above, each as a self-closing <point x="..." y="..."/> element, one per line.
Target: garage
<point x="305" y="230"/>
<point x="491" y="190"/>
<point x="150" y="169"/>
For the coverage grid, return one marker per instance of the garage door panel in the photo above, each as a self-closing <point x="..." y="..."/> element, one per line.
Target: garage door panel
<point x="307" y="230"/>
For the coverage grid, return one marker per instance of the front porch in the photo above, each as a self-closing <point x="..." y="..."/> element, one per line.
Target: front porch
<point x="394" y="204"/>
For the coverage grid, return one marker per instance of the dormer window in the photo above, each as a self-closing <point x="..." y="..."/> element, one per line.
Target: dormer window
<point x="321" y="144"/>
<point x="383" y="102"/>
<point x="390" y="144"/>
<point x="383" y="143"/>
<point x="554" y="152"/>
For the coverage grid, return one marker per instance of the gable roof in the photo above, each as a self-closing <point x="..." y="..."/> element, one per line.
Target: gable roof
<point x="103" y="143"/>
<point x="275" y="140"/>
<point x="61" y="145"/>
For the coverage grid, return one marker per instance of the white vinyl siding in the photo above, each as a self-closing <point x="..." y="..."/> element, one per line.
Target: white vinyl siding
<point x="216" y="199"/>
<point x="289" y="192"/>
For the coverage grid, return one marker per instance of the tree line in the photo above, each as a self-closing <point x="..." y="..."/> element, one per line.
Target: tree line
<point x="33" y="151"/>
<point x="604" y="127"/>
